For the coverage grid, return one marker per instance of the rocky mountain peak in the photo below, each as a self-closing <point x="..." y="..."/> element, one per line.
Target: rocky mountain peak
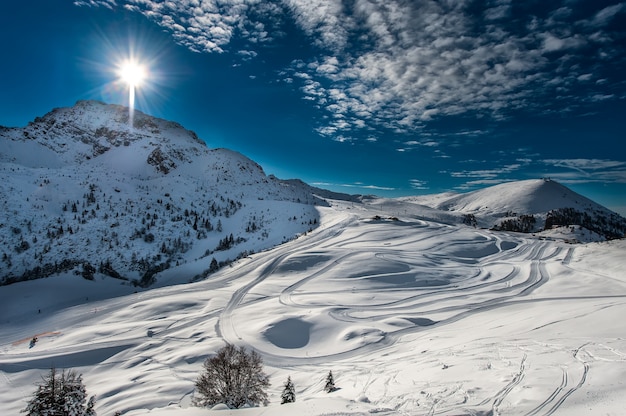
<point x="86" y="191"/>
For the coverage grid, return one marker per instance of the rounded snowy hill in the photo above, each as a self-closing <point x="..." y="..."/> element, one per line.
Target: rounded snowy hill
<point x="530" y="206"/>
<point x="534" y="196"/>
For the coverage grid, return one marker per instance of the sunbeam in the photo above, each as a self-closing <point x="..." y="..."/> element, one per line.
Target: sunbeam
<point x="133" y="74"/>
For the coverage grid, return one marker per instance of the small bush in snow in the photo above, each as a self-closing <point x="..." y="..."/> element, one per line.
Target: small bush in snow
<point x="234" y="377"/>
<point x="61" y="394"/>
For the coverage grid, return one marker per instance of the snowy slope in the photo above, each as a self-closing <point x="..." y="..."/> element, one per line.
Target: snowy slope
<point x="83" y="191"/>
<point x="81" y="188"/>
<point x="530" y="197"/>
<point x="412" y="317"/>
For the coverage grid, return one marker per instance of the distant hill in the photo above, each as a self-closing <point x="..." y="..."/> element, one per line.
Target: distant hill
<point x="83" y="190"/>
<point x="529" y="206"/>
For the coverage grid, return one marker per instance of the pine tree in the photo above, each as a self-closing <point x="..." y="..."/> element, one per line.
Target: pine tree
<point x="289" y="392"/>
<point x="330" y="383"/>
<point x="62" y="394"/>
<point x="214" y="266"/>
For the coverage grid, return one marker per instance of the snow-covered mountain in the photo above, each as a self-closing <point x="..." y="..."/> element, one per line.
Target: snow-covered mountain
<point x="83" y="190"/>
<point x="528" y="206"/>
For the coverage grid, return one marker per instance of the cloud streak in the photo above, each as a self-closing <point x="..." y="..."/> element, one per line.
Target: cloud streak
<point x="354" y="185"/>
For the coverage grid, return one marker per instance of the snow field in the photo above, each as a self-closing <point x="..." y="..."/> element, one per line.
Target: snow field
<point x="412" y="317"/>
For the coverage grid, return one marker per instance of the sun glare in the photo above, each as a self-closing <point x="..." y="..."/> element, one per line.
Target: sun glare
<point x="132" y="73"/>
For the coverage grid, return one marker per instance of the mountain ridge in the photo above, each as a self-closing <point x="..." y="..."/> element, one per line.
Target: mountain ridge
<point x="85" y="191"/>
<point x="530" y="196"/>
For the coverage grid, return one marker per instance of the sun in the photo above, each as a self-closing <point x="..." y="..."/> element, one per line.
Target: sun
<point x="132" y="73"/>
<point x="132" y="66"/>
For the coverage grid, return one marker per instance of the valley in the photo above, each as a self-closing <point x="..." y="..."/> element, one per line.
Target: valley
<point x="413" y="317"/>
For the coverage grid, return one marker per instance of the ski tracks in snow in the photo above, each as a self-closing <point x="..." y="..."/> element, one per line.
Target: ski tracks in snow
<point x="555" y="400"/>
<point x="435" y="286"/>
<point x="502" y="394"/>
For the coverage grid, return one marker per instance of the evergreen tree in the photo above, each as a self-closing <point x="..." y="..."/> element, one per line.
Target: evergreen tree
<point x="330" y="383"/>
<point x="62" y="394"/>
<point x="214" y="266"/>
<point x="289" y="392"/>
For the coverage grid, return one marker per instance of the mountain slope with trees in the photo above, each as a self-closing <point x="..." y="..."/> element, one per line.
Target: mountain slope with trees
<point x="84" y="191"/>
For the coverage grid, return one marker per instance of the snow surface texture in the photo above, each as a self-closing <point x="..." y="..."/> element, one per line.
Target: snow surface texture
<point x="412" y="317"/>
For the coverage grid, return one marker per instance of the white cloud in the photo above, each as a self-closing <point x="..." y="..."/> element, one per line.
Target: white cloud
<point x="604" y="16"/>
<point x="247" y="55"/>
<point x="373" y="187"/>
<point x="552" y="43"/>
<point x="580" y="171"/>
<point x="423" y="60"/>
<point x="486" y="173"/>
<point x="207" y="25"/>
<point x="561" y="13"/>
<point x="498" y="12"/>
<point x="567" y="171"/>
<point x="94" y="3"/>
<point x="480" y="183"/>
<point x="419" y="184"/>
<point x="323" y="20"/>
<point x="585" y="165"/>
<point x="601" y="97"/>
<point x="358" y="185"/>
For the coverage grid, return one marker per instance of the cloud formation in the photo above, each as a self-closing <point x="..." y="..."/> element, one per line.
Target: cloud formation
<point x="399" y="64"/>
<point x="204" y="25"/>
<point x="419" y="184"/>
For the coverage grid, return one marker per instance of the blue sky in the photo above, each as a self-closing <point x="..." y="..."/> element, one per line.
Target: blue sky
<point x="385" y="97"/>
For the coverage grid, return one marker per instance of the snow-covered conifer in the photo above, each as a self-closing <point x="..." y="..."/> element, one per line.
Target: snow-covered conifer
<point x="289" y="392"/>
<point x="62" y="394"/>
<point x="330" y="383"/>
